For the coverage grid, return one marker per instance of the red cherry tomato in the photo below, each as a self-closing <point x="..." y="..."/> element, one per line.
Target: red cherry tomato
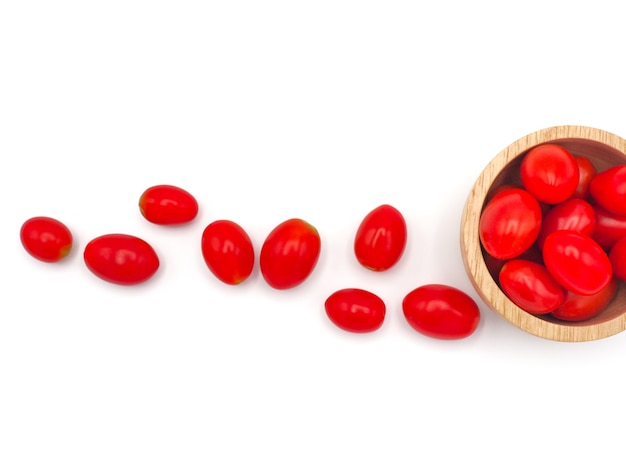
<point x="355" y="310"/>
<point x="441" y="311"/>
<point x="530" y="286"/>
<point x="608" y="189"/>
<point x="550" y="173"/>
<point x="577" y="307"/>
<point x="227" y="251"/>
<point x="381" y="238"/>
<point x="510" y="223"/>
<point x="608" y="228"/>
<point x="46" y="239"/>
<point x="617" y="256"/>
<point x="121" y="259"/>
<point x="577" y="262"/>
<point x="289" y="253"/>
<point x="574" y="214"/>
<point x="168" y="205"/>
<point x="586" y="172"/>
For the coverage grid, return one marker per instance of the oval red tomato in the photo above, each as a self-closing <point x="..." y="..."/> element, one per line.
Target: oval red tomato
<point x="574" y="214"/>
<point x="121" y="259"/>
<point x="617" y="256"/>
<point x="586" y="172"/>
<point x="168" y="205"/>
<point x="355" y="310"/>
<point x="510" y="223"/>
<point x="381" y="238"/>
<point x="441" y="311"/>
<point x="227" y="251"/>
<point x="550" y="173"/>
<point x="608" y="189"/>
<point x="577" y="262"/>
<point x="578" y="307"/>
<point x="609" y="227"/>
<point x="46" y="239"/>
<point x="289" y="253"/>
<point x="530" y="286"/>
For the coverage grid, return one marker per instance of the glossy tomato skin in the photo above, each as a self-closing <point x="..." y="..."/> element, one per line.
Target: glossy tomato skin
<point x="577" y="262"/>
<point x="227" y="251"/>
<point x="609" y="227"/>
<point x="441" y="311"/>
<point x="121" y="259"/>
<point x="617" y="256"/>
<point x="289" y="253"/>
<point x="550" y="173"/>
<point x="355" y="310"/>
<point x="510" y="223"/>
<point x="530" y="286"/>
<point x="573" y="214"/>
<point x="577" y="307"/>
<point x="168" y="205"/>
<point x="608" y="189"/>
<point x="46" y="239"/>
<point x="586" y="172"/>
<point x="381" y="238"/>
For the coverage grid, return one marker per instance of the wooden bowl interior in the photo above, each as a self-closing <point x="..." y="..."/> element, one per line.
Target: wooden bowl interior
<point x="604" y="150"/>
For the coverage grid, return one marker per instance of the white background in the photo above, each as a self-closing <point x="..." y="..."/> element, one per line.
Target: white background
<point x="264" y="111"/>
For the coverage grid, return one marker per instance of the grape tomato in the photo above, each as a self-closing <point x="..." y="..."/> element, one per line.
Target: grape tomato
<point x="578" y="307"/>
<point x="510" y="223"/>
<point x="168" y="205"/>
<point x="608" y="189"/>
<point x="617" y="256"/>
<point x="46" y="239"/>
<point x="586" y="172"/>
<point x="121" y="259"/>
<point x="355" y="310"/>
<point x="381" y="238"/>
<point x="227" y="251"/>
<point x="574" y="214"/>
<point x="441" y="311"/>
<point x="577" y="262"/>
<point x="289" y="253"/>
<point x="609" y="227"/>
<point x="530" y="286"/>
<point x="550" y="173"/>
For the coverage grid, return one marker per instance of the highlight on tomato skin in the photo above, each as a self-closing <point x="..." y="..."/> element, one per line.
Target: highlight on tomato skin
<point x="227" y="251"/>
<point x="46" y="239"/>
<point x="121" y="259"/>
<point x="166" y="204"/>
<point x="355" y="310"/>
<point x="289" y="253"/>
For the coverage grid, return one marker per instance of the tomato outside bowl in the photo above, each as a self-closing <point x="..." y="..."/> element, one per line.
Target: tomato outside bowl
<point x="604" y="150"/>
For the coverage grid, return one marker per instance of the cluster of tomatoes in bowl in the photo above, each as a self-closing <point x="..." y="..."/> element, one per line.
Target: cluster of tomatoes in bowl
<point x="554" y="237"/>
<point x="287" y="257"/>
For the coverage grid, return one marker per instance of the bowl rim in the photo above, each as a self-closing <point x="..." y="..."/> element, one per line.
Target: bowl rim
<point x="471" y="251"/>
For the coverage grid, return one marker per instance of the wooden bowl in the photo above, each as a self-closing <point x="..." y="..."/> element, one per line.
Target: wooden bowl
<point x="604" y="150"/>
